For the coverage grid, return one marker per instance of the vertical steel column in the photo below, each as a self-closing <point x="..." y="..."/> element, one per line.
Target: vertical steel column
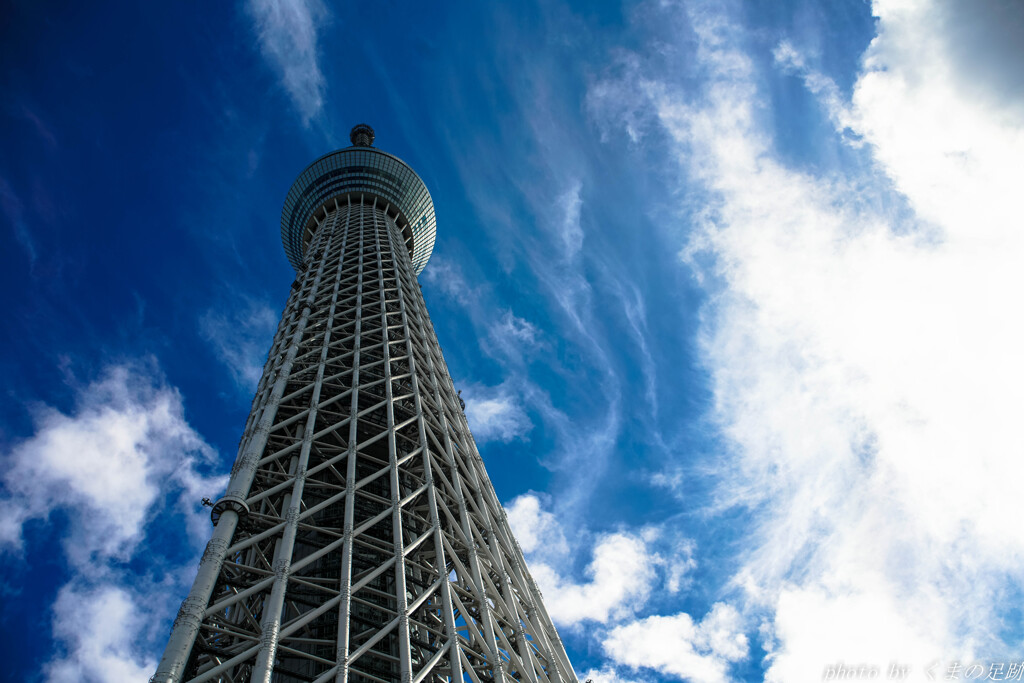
<point x="190" y="616"/>
<point x="271" y="625"/>
<point x="405" y="657"/>
<point x="345" y="604"/>
<point x="446" y="597"/>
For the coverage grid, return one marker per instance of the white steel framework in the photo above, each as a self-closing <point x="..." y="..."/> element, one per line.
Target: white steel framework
<point x="360" y="539"/>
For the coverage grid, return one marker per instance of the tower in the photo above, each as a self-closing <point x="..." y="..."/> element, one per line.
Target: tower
<point x="360" y="539"/>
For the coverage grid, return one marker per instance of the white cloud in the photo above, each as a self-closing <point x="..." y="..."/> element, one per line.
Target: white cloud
<point x="495" y="414"/>
<point x="605" y="674"/>
<point x="865" y="366"/>
<point x="126" y="444"/>
<point x="676" y="646"/>
<point x="620" y="576"/>
<point x="123" y="457"/>
<point x="101" y="629"/>
<point x="970" y="55"/>
<point x="537" y="530"/>
<point x="957" y="164"/>
<point x="241" y="339"/>
<point x="867" y="626"/>
<point x="287" y="31"/>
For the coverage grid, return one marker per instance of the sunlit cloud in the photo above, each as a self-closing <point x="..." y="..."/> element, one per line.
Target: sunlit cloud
<point x="863" y="364"/>
<point x="103" y="632"/>
<point x="123" y="457"/>
<point x="495" y="414"/>
<point x="619" y="577"/>
<point x="124" y="447"/>
<point x="624" y="569"/>
<point x="701" y="652"/>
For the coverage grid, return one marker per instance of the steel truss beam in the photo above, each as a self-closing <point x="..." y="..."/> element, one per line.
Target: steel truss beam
<point x="360" y="539"/>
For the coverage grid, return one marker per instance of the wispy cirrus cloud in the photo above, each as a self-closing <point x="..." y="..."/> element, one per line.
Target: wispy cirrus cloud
<point x="288" y="31"/>
<point x="240" y="336"/>
<point x="500" y="414"/>
<point x="15" y="213"/>
<point x="569" y="230"/>
<point x="513" y="338"/>
<point x="41" y="128"/>
<point x="446" y="275"/>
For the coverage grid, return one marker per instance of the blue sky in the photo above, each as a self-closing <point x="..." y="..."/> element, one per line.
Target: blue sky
<point x="731" y="290"/>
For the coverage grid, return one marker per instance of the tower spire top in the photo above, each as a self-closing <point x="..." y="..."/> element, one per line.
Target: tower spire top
<point x="361" y="136"/>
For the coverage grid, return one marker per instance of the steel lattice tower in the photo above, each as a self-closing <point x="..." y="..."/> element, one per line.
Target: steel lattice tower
<point x="360" y="539"/>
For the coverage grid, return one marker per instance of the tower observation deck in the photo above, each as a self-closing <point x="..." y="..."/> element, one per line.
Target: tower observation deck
<point x="360" y="539"/>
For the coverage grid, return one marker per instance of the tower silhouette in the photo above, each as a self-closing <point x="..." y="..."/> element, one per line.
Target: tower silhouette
<point x="360" y="539"/>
